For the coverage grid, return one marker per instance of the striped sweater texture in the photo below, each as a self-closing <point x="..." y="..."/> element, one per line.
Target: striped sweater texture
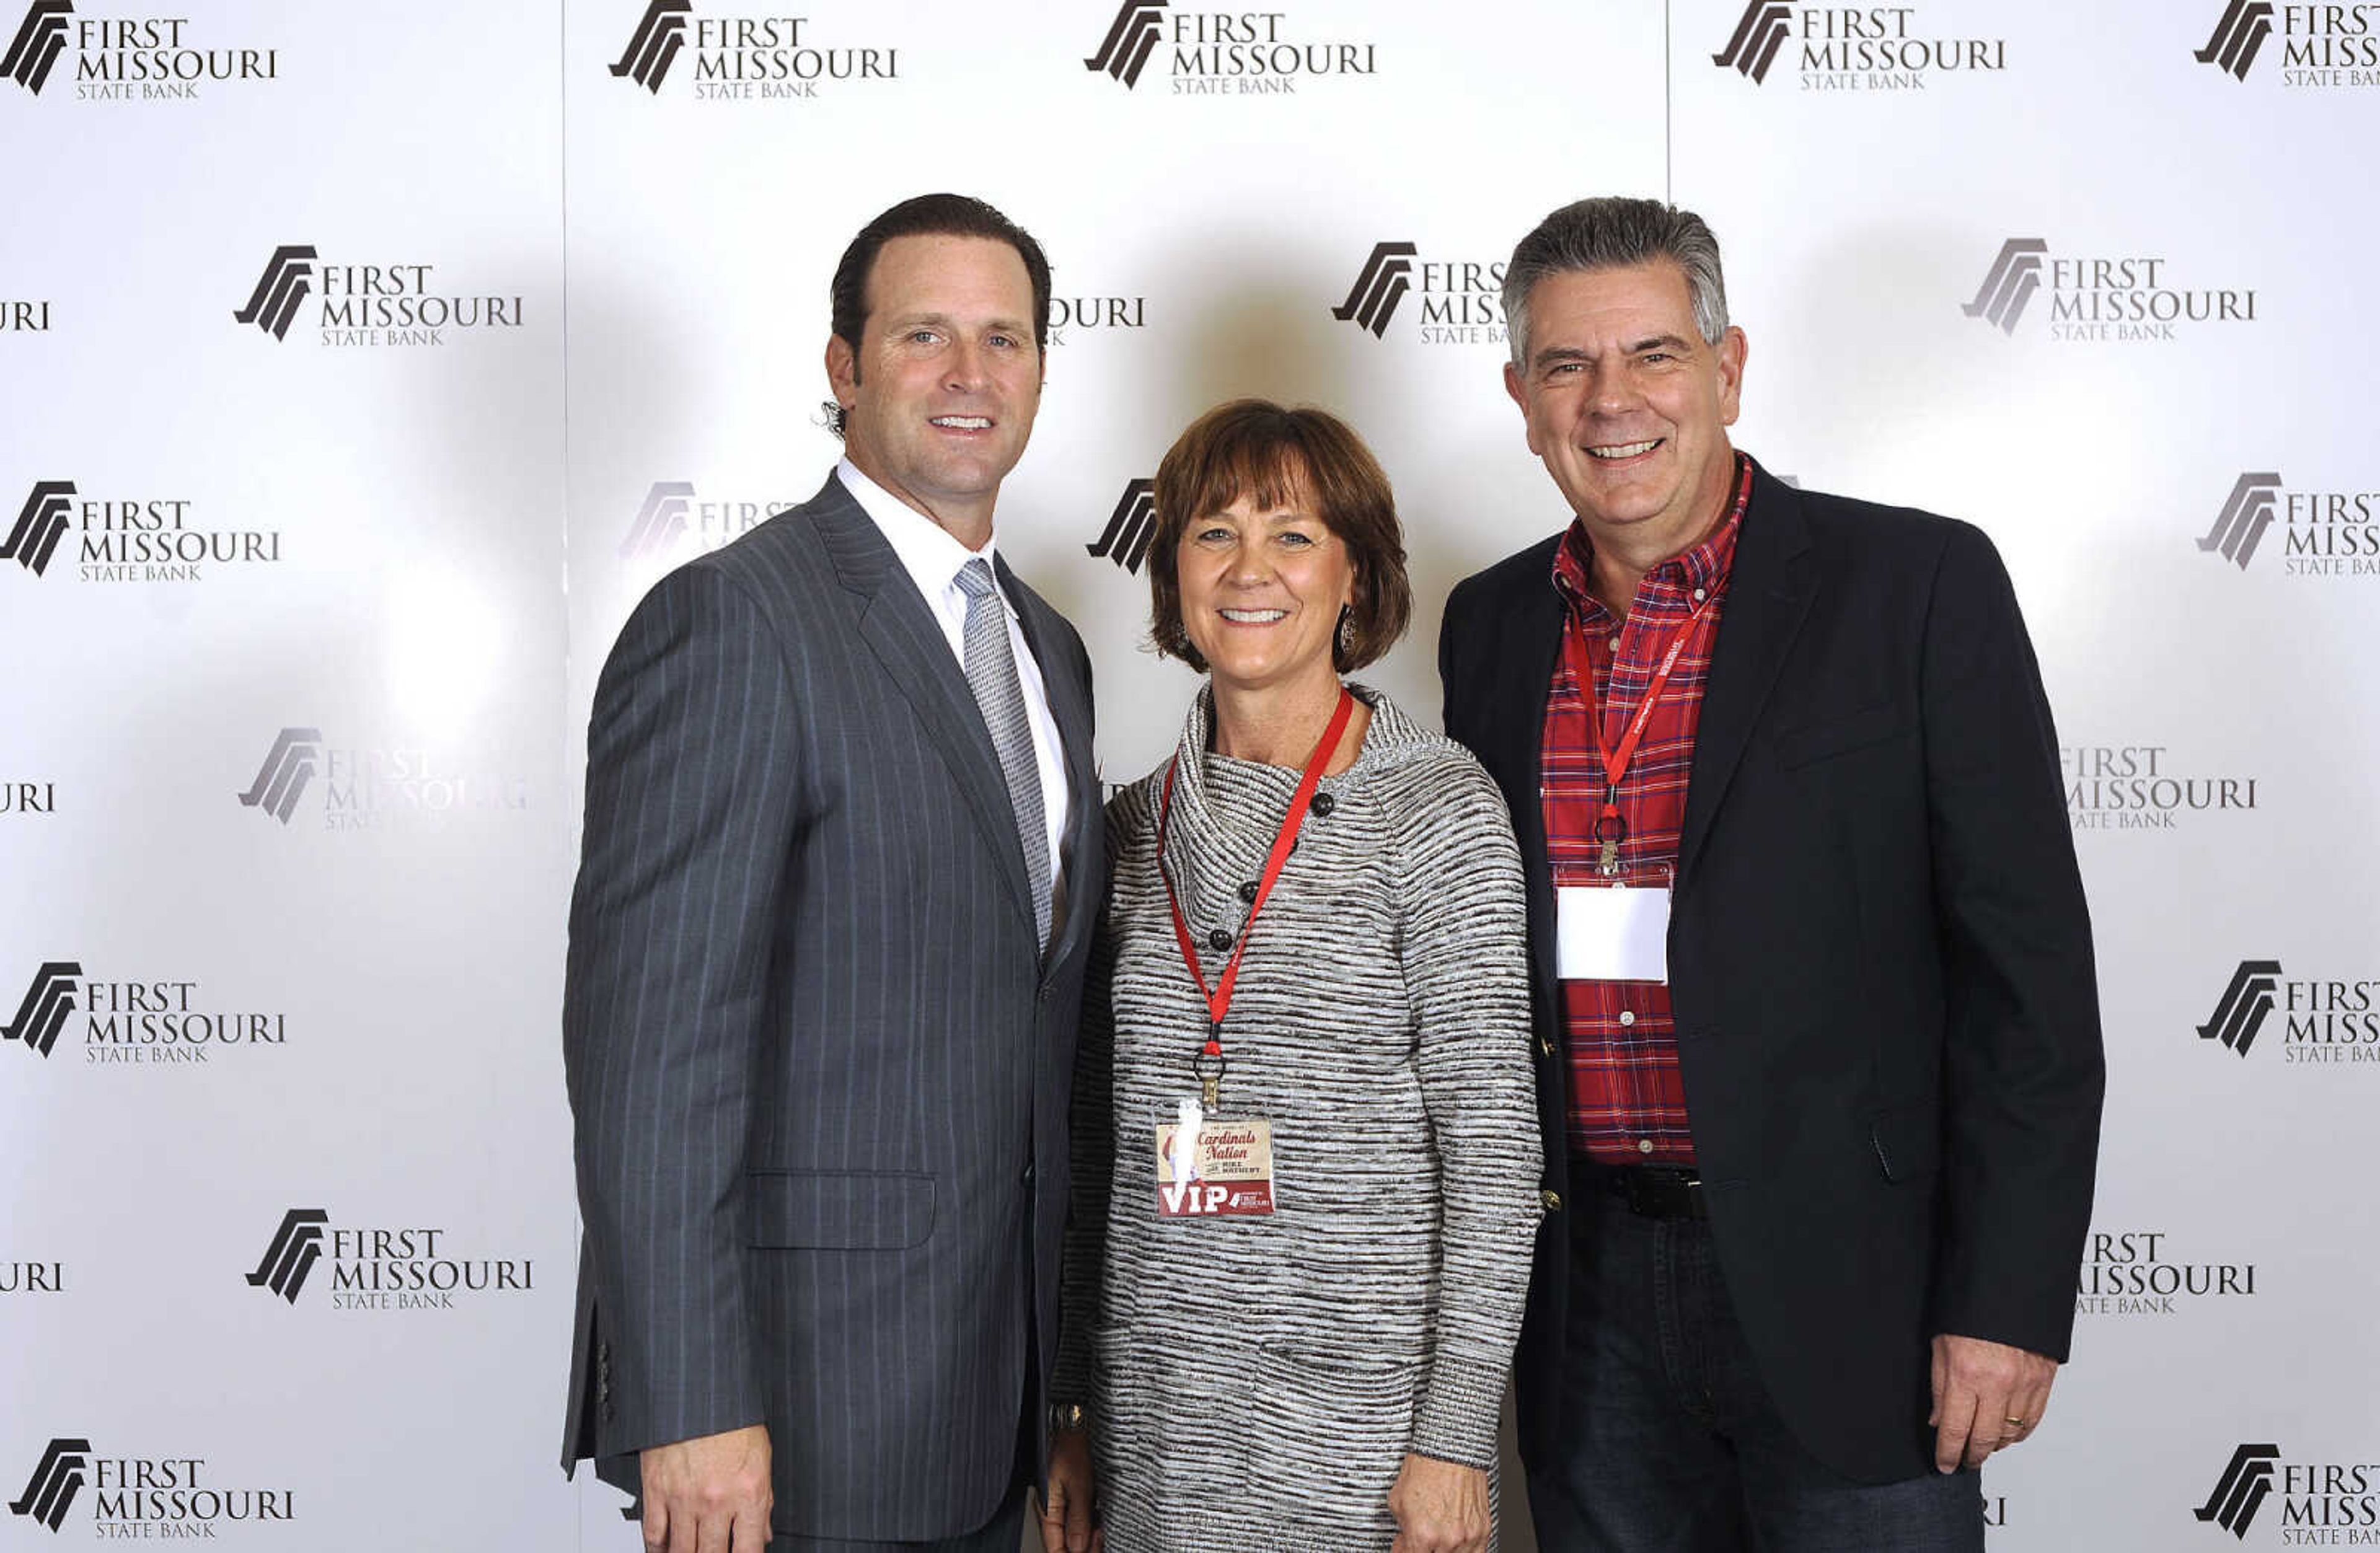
<point x="1257" y="1382"/>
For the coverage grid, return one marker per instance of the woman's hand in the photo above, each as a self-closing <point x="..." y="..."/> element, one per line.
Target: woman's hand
<point x="1439" y="1507"/>
<point x="1065" y="1507"/>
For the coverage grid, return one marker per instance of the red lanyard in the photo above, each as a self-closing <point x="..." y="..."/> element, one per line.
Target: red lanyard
<point x="1218" y="1001"/>
<point x="1609" y="828"/>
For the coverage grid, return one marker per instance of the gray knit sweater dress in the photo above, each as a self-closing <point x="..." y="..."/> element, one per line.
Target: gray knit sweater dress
<point x="1254" y="1383"/>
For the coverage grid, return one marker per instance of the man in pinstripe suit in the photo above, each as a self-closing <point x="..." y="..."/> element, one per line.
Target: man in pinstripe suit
<point x="841" y="856"/>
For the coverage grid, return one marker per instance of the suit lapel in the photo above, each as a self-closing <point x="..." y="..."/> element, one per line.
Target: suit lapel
<point x="899" y="629"/>
<point x="1769" y="595"/>
<point x="1519" y="682"/>
<point x="1070" y="707"/>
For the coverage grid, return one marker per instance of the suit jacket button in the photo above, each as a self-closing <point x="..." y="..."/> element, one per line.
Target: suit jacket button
<point x="1029" y="1175"/>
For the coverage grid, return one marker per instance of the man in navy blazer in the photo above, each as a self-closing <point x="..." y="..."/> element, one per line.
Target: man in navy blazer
<point x="1819" y="1054"/>
<point x="841" y="855"/>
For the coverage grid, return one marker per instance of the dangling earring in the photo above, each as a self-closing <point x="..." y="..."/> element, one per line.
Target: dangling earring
<point x="1346" y="628"/>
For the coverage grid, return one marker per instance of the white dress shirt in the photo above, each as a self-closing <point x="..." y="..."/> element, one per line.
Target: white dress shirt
<point x="933" y="560"/>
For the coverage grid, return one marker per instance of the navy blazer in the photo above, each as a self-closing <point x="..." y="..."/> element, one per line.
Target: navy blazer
<point x="1879" y="960"/>
<point x="819" y="1065"/>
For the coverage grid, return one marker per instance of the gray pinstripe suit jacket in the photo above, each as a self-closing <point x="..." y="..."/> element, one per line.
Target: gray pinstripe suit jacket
<point x="817" y="1069"/>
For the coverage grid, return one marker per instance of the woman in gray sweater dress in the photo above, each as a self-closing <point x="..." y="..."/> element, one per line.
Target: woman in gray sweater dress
<point x="1307" y="1149"/>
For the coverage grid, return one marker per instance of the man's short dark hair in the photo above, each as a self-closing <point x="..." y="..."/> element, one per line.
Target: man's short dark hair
<point x="934" y="216"/>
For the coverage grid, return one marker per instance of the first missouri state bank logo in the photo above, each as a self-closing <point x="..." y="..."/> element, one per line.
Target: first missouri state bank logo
<point x="148" y="1020"/>
<point x="41" y="38"/>
<point x="2331" y="533"/>
<point x="2329" y="1020"/>
<point x="745" y="58"/>
<point x="375" y="788"/>
<point x="2323" y="1503"/>
<point x="40" y="523"/>
<point x="660" y="35"/>
<point x="1130" y="527"/>
<point x="1863" y="48"/>
<point x="411" y="1267"/>
<point x="297" y="1247"/>
<point x="1461" y="301"/>
<point x="287" y="280"/>
<point x="48" y="1003"/>
<point x="287" y="771"/>
<point x="2247" y="513"/>
<point x="2246" y="1484"/>
<point x="373" y="305"/>
<point x="145" y="1498"/>
<point x="2102" y="298"/>
<point x="2328" y="45"/>
<point x="1212" y="53"/>
<point x="675" y="517"/>
<point x="51" y="1491"/>
<point x="1759" y="34"/>
<point x="2246" y="1003"/>
<point x="1382" y="282"/>
<point x="1130" y="41"/>
<point x="124" y="59"/>
<point x="2242" y="33"/>
<point x="128" y="539"/>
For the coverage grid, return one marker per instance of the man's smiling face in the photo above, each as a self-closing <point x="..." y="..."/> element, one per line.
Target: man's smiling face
<point x="1627" y="404"/>
<point x="939" y="394"/>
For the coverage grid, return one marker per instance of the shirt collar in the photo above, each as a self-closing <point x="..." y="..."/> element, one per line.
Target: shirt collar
<point x="928" y="553"/>
<point x="1705" y="567"/>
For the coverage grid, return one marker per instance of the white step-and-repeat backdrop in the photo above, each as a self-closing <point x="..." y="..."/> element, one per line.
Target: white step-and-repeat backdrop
<point x="363" y="364"/>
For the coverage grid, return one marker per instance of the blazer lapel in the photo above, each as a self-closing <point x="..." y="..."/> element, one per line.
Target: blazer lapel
<point x="1519" y="682"/>
<point x="1070" y="707"/>
<point x="1769" y="595"/>
<point x="899" y="629"/>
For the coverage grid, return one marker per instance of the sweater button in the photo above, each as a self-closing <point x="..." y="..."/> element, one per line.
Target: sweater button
<point x="1248" y="891"/>
<point x="1323" y="804"/>
<point x="1218" y="940"/>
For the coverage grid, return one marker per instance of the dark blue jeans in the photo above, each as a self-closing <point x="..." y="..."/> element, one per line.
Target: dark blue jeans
<point x="1671" y="1443"/>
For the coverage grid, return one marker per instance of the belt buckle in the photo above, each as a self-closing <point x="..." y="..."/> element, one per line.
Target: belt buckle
<point x="1661" y="1194"/>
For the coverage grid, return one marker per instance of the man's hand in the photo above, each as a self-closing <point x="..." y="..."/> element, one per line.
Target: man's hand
<point x="710" y="1494"/>
<point x="1065" y="1509"/>
<point x="1439" y="1507"/>
<point x="1986" y="1395"/>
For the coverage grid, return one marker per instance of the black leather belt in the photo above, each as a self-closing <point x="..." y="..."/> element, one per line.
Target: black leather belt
<point x="1650" y="1191"/>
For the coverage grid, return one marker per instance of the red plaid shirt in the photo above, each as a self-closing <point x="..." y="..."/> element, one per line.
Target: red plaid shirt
<point x="1627" y="1100"/>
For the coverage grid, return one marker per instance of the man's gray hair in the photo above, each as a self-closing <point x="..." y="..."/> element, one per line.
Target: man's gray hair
<point x="1611" y="233"/>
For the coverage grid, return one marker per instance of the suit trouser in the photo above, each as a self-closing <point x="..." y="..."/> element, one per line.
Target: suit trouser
<point x="1673" y="1445"/>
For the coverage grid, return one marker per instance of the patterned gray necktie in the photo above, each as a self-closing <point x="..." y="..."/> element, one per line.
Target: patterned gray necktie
<point x="991" y="674"/>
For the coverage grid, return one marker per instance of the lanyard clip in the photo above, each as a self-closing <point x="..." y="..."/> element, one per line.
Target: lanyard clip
<point x="1610" y="830"/>
<point x="1208" y="1066"/>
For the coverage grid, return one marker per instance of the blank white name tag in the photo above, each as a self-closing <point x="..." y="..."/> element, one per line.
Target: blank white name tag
<point x="1612" y="933"/>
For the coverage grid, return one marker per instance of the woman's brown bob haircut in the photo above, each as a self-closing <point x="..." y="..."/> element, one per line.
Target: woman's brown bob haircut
<point x="1283" y="458"/>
